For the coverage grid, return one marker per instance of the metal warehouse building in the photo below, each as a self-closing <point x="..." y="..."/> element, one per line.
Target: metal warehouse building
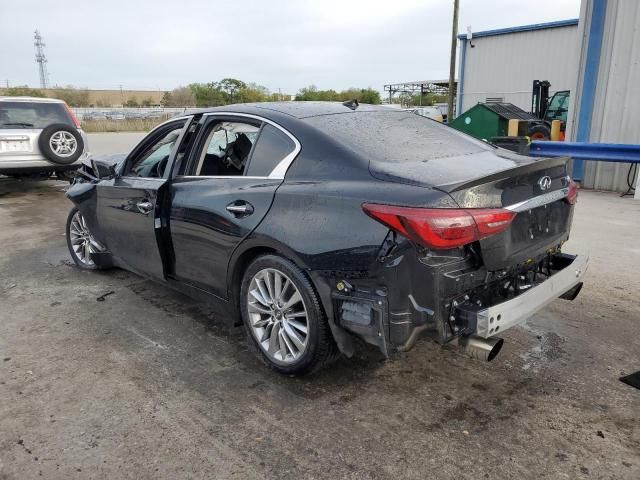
<point x="596" y="57"/>
<point x="501" y="65"/>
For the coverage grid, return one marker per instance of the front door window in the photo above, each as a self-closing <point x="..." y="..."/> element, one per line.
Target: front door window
<point x="153" y="160"/>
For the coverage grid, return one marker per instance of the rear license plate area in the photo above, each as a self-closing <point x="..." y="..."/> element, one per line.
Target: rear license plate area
<point x="539" y="222"/>
<point x="544" y="222"/>
<point x="10" y="145"/>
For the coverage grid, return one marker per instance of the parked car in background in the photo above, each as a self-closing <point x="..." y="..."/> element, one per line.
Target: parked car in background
<point x="317" y="222"/>
<point x="134" y="115"/>
<point x="156" y="115"/>
<point x="444" y="110"/>
<point x="429" y="112"/>
<point x="115" y="115"/>
<point x="93" y="116"/>
<point x="39" y="136"/>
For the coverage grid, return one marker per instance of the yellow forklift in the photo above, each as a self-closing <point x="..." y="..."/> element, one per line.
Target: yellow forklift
<point x="547" y="111"/>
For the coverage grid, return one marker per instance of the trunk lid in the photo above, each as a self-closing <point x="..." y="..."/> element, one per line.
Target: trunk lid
<point x="536" y="191"/>
<point x="534" y="188"/>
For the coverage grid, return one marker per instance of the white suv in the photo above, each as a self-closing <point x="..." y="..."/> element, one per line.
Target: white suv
<point x="39" y="136"/>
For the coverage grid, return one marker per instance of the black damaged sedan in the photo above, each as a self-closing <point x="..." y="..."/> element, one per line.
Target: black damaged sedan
<point x="316" y="223"/>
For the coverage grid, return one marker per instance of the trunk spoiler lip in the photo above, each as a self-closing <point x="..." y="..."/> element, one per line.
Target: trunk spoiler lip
<point x="539" y="201"/>
<point x="535" y="164"/>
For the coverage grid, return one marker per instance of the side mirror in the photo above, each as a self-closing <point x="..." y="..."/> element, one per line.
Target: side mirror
<point x="103" y="170"/>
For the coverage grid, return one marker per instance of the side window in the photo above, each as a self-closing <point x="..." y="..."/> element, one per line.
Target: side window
<point x="272" y="147"/>
<point x="153" y="160"/>
<point x="226" y="149"/>
<point x="558" y="107"/>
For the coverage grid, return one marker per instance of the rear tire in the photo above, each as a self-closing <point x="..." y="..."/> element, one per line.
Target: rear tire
<point x="283" y="317"/>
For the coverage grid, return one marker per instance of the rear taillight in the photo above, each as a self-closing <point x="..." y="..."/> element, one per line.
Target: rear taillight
<point x="572" y="194"/>
<point x="73" y="117"/>
<point x="441" y="228"/>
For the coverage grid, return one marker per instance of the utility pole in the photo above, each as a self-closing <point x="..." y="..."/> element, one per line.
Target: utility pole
<point x="452" y="66"/>
<point x="41" y="59"/>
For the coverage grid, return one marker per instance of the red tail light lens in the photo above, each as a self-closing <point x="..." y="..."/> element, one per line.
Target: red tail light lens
<point x="572" y="194"/>
<point x="73" y="117"/>
<point x="441" y="228"/>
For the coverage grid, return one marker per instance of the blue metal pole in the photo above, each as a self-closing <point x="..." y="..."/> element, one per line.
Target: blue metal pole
<point x="590" y="79"/>
<point x="606" y="152"/>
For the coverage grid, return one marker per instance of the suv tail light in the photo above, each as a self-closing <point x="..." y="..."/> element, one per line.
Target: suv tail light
<point x="73" y="117"/>
<point x="441" y="228"/>
<point x="572" y="194"/>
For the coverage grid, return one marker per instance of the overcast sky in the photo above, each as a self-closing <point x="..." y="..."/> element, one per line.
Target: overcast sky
<point x="285" y="44"/>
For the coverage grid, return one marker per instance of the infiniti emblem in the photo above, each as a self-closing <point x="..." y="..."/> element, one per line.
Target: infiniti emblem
<point x="544" y="183"/>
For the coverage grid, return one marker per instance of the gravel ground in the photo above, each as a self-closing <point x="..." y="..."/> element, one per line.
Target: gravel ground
<point x="107" y="375"/>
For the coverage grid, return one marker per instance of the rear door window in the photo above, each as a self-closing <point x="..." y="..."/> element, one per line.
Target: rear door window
<point x="227" y="148"/>
<point x="32" y="115"/>
<point x="272" y="147"/>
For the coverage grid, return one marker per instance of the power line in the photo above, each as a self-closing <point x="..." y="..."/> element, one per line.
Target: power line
<point x="41" y="59"/>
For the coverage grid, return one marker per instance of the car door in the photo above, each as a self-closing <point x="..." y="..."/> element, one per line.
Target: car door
<point x="234" y="170"/>
<point x="128" y="212"/>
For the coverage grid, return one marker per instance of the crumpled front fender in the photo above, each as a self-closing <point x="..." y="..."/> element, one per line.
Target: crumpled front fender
<point x="80" y="192"/>
<point x="84" y="197"/>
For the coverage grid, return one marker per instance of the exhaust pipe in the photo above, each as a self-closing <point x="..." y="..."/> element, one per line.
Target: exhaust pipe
<point x="485" y="349"/>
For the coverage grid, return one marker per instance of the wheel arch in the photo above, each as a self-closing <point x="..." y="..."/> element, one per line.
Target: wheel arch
<point x="254" y="248"/>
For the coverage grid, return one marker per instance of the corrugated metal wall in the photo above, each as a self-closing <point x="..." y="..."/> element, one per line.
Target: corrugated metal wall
<point x="506" y="65"/>
<point x="616" y="113"/>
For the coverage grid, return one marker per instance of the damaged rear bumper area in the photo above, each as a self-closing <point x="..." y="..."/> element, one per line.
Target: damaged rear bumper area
<point x="564" y="282"/>
<point x="472" y="316"/>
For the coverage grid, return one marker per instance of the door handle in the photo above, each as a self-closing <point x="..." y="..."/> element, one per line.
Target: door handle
<point x="144" y="207"/>
<point x="240" y="208"/>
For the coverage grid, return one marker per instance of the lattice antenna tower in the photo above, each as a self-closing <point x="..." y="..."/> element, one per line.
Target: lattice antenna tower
<point x="41" y="59"/>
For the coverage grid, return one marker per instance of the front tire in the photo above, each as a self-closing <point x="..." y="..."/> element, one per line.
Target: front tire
<point x="283" y="317"/>
<point x="80" y="241"/>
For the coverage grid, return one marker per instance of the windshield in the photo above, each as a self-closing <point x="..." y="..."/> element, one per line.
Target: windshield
<point x="32" y="115"/>
<point x="558" y="107"/>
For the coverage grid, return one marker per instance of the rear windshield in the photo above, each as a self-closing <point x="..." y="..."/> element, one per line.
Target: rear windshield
<point x="396" y="136"/>
<point x="32" y="115"/>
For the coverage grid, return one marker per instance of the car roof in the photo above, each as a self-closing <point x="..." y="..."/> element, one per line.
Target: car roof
<point x="297" y="109"/>
<point x="30" y="99"/>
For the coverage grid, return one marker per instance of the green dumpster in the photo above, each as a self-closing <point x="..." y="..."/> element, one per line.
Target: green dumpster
<point x="488" y="120"/>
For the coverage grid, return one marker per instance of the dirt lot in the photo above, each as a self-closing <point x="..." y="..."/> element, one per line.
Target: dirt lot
<point x="106" y="375"/>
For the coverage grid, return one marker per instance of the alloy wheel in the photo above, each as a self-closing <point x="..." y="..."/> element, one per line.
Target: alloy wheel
<point x="278" y="316"/>
<point x="81" y="240"/>
<point x="63" y="144"/>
